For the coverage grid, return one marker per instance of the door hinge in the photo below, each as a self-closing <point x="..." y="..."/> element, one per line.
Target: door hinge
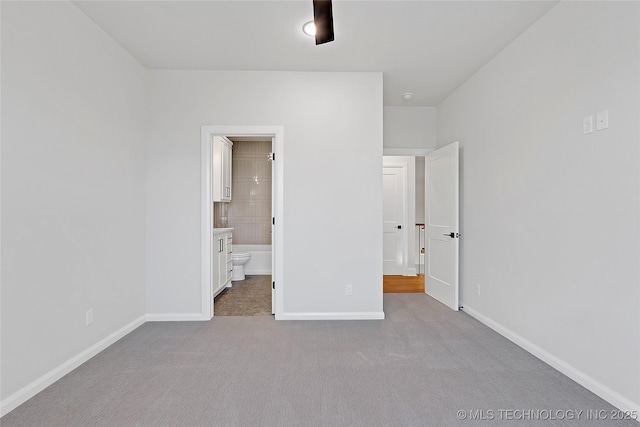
<point x="273" y="220"/>
<point x="273" y="285"/>
<point x="272" y="157"/>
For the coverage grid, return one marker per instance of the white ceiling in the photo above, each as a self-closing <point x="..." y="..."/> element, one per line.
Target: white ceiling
<point x="425" y="47"/>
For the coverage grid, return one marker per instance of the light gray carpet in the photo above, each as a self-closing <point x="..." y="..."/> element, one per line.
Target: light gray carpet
<point x="249" y="297"/>
<point x="419" y="367"/>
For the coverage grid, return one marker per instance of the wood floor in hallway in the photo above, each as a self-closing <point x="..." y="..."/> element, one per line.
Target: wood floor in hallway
<point x="403" y="284"/>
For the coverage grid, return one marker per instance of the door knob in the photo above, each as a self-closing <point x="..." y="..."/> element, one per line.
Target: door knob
<point x="452" y="235"/>
<point x="399" y="227"/>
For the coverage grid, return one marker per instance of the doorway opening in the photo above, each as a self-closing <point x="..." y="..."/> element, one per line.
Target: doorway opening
<point x="249" y="214"/>
<point x="403" y="223"/>
<point x="441" y="221"/>
<point x="255" y="216"/>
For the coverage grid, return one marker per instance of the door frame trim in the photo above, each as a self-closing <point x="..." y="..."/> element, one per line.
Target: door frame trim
<point x="390" y="151"/>
<point x="206" y="209"/>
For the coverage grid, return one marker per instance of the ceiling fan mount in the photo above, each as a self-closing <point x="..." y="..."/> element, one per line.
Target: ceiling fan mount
<point x="323" y="21"/>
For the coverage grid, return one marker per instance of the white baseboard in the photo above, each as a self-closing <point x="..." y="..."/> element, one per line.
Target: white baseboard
<point x="258" y="272"/>
<point x="411" y="272"/>
<point x="174" y="317"/>
<point x="374" y="315"/>
<point x="35" y="387"/>
<point x="616" y="399"/>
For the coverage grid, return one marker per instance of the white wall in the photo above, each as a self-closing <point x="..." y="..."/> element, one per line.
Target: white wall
<point x="409" y="127"/>
<point x="550" y="217"/>
<point x="332" y="164"/>
<point x="73" y="120"/>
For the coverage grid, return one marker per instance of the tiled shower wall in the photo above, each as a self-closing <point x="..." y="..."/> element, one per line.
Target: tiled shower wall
<point x="249" y="211"/>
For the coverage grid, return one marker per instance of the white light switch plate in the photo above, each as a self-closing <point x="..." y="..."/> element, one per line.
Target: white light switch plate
<point x="602" y="120"/>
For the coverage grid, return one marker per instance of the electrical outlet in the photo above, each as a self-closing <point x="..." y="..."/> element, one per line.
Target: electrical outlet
<point x="478" y="288"/>
<point x="602" y="120"/>
<point x="349" y="290"/>
<point x="89" y="317"/>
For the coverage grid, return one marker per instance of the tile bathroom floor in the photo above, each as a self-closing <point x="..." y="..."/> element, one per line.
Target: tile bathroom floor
<point x="249" y="297"/>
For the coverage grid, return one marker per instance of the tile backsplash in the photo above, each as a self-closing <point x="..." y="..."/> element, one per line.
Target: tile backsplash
<point x="220" y="215"/>
<point x="249" y="211"/>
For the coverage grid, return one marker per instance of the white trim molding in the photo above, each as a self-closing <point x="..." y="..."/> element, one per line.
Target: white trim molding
<point x="616" y="399"/>
<point x="206" y="222"/>
<point x="174" y="317"/>
<point x="406" y="151"/>
<point x="35" y="387"/>
<point x="373" y="315"/>
<point x="257" y="272"/>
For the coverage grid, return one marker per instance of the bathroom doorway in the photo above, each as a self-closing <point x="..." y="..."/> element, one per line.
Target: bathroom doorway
<point x="257" y="223"/>
<point x="249" y="214"/>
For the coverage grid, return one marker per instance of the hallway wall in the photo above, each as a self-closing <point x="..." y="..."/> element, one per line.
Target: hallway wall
<point x="550" y="217"/>
<point x="409" y="127"/>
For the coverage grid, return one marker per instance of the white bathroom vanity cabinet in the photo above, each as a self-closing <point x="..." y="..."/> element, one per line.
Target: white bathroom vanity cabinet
<point x="221" y="173"/>
<point x="222" y="265"/>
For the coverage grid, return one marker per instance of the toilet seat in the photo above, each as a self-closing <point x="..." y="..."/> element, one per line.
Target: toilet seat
<point x="239" y="255"/>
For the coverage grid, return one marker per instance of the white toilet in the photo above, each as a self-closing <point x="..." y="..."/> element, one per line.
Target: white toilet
<point x="239" y="259"/>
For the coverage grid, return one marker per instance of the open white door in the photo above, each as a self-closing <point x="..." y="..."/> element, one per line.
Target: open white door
<point x="441" y="225"/>
<point x="393" y="220"/>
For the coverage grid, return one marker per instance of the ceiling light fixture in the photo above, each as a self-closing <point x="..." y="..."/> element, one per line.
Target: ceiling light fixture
<point x="407" y="96"/>
<point x="309" y="28"/>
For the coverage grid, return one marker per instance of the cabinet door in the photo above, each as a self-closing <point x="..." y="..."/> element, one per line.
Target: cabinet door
<point x="228" y="253"/>
<point x="226" y="170"/>
<point x="229" y="271"/>
<point x="216" y="171"/>
<point x="222" y="262"/>
<point x="221" y="169"/>
<point x="215" y="263"/>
